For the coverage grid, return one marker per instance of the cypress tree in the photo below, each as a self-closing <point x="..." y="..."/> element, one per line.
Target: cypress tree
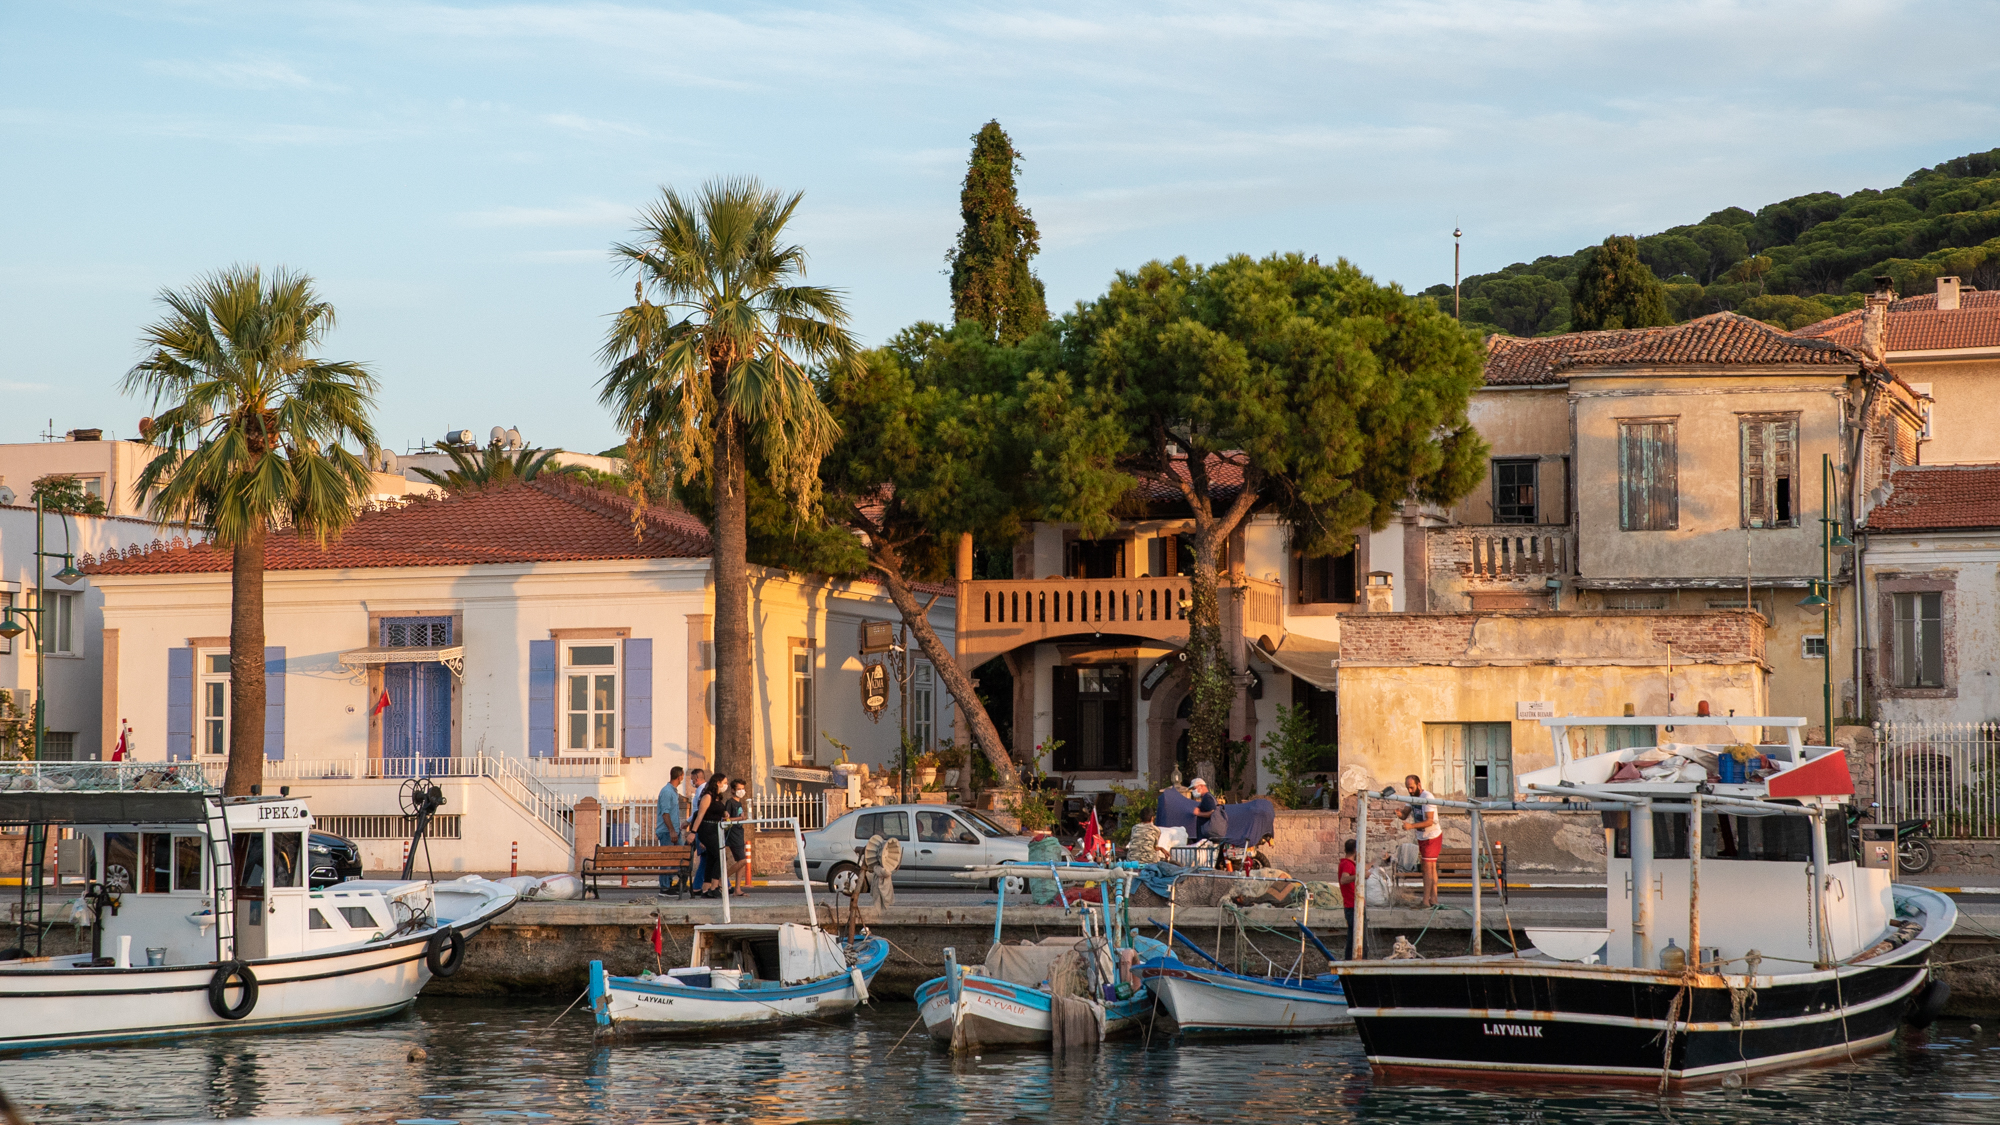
<point x="1616" y="290"/>
<point x="990" y="280"/>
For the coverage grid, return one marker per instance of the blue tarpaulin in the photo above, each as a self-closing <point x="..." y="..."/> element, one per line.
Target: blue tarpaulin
<point x="1176" y="810"/>
<point x="1250" y="821"/>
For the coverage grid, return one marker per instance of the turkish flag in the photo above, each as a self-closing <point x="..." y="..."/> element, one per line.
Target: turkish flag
<point x="659" y="937"/>
<point x="381" y="705"/>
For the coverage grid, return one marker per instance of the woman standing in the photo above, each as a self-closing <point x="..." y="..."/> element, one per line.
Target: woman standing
<point x="706" y="826"/>
<point x="736" y="809"/>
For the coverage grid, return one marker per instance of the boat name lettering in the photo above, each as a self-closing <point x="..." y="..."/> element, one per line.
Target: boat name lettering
<point x="1517" y="1030"/>
<point x="280" y="812"/>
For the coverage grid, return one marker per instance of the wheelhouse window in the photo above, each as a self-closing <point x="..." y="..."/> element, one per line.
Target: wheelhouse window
<point x="1648" y="474"/>
<point x="1514" y="491"/>
<point x="592" y="699"/>
<point x="1769" y="461"/>
<point x="212" y="696"/>
<point x="1918" y="643"/>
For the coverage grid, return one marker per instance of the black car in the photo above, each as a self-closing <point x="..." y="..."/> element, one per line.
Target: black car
<point x="331" y="859"/>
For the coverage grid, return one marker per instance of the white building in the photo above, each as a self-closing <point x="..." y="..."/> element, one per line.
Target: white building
<point x="522" y="641"/>
<point x="77" y="724"/>
<point x="1931" y="556"/>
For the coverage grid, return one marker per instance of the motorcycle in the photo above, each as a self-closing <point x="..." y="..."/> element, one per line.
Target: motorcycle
<point x="1914" y="854"/>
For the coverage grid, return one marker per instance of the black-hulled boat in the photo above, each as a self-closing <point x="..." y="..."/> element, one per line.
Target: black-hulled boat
<point x="1804" y="953"/>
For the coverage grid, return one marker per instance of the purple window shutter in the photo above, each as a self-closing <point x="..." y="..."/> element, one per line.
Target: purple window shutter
<point x="638" y="698"/>
<point x="274" y="703"/>
<point x="541" y="699"/>
<point x="180" y="704"/>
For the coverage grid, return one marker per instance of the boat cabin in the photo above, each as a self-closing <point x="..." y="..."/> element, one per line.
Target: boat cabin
<point x="750" y="955"/>
<point x="1771" y="816"/>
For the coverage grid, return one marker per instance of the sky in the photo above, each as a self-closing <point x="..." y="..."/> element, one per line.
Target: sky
<point x="453" y="175"/>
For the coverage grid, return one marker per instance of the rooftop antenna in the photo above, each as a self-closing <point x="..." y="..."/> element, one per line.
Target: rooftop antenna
<point x="1456" y="234"/>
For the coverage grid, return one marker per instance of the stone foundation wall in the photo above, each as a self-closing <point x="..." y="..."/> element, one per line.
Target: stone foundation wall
<point x="1311" y="841"/>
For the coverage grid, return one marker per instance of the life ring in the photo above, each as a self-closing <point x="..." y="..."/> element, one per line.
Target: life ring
<point x="218" y="989"/>
<point x="442" y="964"/>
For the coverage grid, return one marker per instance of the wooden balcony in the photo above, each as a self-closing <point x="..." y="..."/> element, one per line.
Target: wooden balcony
<point x="998" y="616"/>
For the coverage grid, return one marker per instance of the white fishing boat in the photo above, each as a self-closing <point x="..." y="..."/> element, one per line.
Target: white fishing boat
<point x="1758" y="938"/>
<point x="204" y="919"/>
<point x="1209" y="998"/>
<point x="743" y="974"/>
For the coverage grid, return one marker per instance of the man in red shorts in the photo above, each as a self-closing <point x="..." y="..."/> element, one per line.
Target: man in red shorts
<point x="1430" y="835"/>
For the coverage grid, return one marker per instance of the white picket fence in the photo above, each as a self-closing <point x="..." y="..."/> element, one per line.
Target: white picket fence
<point x="1947" y="773"/>
<point x="631" y="823"/>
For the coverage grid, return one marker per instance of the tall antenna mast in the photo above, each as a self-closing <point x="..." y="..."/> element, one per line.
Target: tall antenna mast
<point x="1456" y="234"/>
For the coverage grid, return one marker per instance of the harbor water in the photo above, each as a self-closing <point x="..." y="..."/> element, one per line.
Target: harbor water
<point x="491" y="1060"/>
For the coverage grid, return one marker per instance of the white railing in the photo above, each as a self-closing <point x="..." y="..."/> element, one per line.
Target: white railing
<point x="1947" y="773"/>
<point x="631" y="823"/>
<point x="518" y="778"/>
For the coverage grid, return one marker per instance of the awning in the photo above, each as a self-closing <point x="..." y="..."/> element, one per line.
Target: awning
<point x="1315" y="661"/>
<point x="802" y="773"/>
<point x="452" y="657"/>
<point x="119" y="807"/>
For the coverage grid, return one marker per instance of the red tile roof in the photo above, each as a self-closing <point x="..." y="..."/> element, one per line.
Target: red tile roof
<point x="546" y="520"/>
<point x="1721" y="339"/>
<point x="1938" y="498"/>
<point x="1225" y="480"/>
<point x="1916" y="325"/>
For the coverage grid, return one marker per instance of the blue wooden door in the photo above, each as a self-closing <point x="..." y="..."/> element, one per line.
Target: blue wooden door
<point x="417" y="726"/>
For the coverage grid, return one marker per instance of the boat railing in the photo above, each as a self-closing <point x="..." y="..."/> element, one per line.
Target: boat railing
<point x="102" y="777"/>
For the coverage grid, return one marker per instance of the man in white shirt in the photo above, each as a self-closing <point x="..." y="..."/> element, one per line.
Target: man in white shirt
<point x="1430" y="835"/>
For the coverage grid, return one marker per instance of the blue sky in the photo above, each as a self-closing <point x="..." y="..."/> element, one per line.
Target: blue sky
<point x="453" y="174"/>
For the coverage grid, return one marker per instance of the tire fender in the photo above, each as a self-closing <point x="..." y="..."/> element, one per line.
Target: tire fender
<point x="1927" y="1004"/>
<point x="218" y="990"/>
<point x="442" y="963"/>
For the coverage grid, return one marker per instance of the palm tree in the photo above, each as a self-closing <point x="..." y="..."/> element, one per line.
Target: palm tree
<point x="712" y="373"/>
<point x="251" y="438"/>
<point x="492" y="465"/>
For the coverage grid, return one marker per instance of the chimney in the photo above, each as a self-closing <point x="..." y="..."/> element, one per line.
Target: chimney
<point x="1875" y="323"/>
<point x="1947" y="294"/>
<point x="1380" y="594"/>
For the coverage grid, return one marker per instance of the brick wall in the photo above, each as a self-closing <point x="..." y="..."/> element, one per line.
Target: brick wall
<point x="1715" y="637"/>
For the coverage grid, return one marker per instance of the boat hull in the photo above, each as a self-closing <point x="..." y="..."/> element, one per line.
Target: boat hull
<point x="1561" y="1019"/>
<point x="1205" y="1001"/>
<point x="994" y="1013"/>
<point x="631" y="1006"/>
<point x="66" y="1005"/>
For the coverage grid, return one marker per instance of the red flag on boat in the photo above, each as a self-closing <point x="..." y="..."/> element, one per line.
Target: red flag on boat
<point x="659" y="937"/>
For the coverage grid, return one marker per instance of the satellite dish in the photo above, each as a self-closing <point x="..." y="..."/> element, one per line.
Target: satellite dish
<point x="388" y="461"/>
<point x="497" y="436"/>
<point x="6" y="495"/>
<point x="513" y="438"/>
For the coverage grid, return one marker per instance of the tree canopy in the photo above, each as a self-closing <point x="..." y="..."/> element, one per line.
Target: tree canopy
<point x="485" y="467"/>
<point x="991" y="284"/>
<point x="1614" y="289"/>
<point x="1823" y="249"/>
<point x="1335" y="399"/>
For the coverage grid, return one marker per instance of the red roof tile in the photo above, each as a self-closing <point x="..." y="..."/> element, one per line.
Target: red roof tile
<point x="1225" y="480"/>
<point x="1939" y="497"/>
<point x="1916" y="325"/>
<point x="545" y="520"/>
<point x="1721" y="339"/>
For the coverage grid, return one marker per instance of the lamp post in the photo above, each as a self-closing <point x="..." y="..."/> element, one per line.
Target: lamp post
<point x="1819" y="598"/>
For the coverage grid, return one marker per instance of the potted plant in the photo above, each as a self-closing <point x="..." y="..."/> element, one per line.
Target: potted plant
<point x="951" y="759"/>
<point x="927" y="770"/>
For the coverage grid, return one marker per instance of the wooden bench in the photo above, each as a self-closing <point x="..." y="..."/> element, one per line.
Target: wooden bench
<point x="629" y="861"/>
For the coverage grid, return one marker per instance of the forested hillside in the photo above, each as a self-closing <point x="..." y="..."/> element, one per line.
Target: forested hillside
<point x="1789" y="263"/>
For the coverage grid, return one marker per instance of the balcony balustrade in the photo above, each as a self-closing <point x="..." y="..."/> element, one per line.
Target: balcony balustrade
<point x="999" y="615"/>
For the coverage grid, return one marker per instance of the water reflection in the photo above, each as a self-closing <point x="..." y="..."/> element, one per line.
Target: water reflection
<point x="500" y="1060"/>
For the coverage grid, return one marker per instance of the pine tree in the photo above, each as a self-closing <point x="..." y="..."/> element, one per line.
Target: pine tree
<point x="1616" y="290"/>
<point x="990" y="280"/>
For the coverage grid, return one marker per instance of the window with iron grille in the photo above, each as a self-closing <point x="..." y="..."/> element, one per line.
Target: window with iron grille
<point x="1770" y="469"/>
<point x="1648" y="474"/>
<point x="1514" y="492"/>
<point x="416" y="632"/>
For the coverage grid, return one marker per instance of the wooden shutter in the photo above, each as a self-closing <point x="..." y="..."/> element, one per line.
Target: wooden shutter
<point x="180" y="704"/>
<point x="1064" y="726"/>
<point x="541" y="699"/>
<point x="1128" y="726"/>
<point x="638" y="716"/>
<point x="1447" y="752"/>
<point x="1648" y="475"/>
<point x="274" y="703"/>
<point x="1756" y="496"/>
<point x="1784" y="445"/>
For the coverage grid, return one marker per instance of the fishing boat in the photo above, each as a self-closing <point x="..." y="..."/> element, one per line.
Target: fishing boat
<point x="202" y="916"/>
<point x="1757" y="939"/>
<point x="1209" y="998"/>
<point x="743" y="974"/>
<point x="1014" y="995"/>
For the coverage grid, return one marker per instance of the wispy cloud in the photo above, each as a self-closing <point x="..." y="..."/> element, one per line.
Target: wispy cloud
<point x="591" y="126"/>
<point x="586" y="213"/>
<point x="235" y="74"/>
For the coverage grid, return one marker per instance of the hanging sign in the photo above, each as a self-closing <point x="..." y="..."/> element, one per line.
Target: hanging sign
<point x="874" y="687"/>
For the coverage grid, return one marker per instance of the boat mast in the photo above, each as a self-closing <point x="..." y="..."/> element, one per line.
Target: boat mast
<point x="1694" y="880"/>
<point x="1641" y="835"/>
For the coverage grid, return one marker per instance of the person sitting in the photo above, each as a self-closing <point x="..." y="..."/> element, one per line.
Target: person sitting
<point x="1144" y="847"/>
